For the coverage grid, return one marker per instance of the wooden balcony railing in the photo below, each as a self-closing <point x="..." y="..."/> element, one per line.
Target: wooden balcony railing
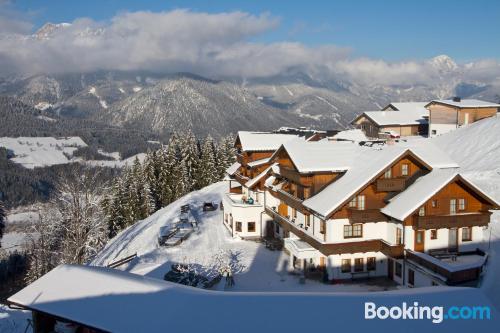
<point x="452" y="221"/>
<point x="294" y="176"/>
<point x="240" y="178"/>
<point x="289" y="199"/>
<point x="367" y="215"/>
<point x="373" y="245"/>
<point x="391" y="184"/>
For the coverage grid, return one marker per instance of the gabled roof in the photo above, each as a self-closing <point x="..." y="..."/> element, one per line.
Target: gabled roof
<point x="366" y="166"/>
<point x="465" y="103"/>
<point x="262" y="141"/>
<point x="407" y="106"/>
<point x="387" y="118"/>
<point x="405" y="203"/>
<point x="352" y="135"/>
<point x="319" y="156"/>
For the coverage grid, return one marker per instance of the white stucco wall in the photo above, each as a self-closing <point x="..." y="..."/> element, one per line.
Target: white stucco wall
<point x="441" y="128"/>
<point x="244" y="214"/>
<point x="334" y="263"/>
<point x="443" y="239"/>
<point x="371" y="230"/>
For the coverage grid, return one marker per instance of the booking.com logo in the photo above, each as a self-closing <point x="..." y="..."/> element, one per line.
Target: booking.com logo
<point x="417" y="312"/>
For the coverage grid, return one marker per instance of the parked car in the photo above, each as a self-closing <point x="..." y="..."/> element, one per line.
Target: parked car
<point x="209" y="206"/>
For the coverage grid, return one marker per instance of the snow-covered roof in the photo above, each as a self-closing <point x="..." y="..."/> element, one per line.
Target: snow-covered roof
<point x="406" y="202"/>
<point x="353" y="134"/>
<point x="256" y="179"/>
<point x="365" y="165"/>
<point x="429" y="152"/>
<point x="408" y="106"/>
<point x="263" y="141"/>
<point x="259" y="162"/>
<point x="233" y="168"/>
<point x="386" y="118"/>
<point x="321" y="156"/>
<point x="462" y="262"/>
<point x="466" y="103"/>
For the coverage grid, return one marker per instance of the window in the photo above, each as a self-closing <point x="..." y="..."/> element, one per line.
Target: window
<point x="361" y="202"/>
<point x="251" y="226"/>
<point x="353" y="231"/>
<point x="434" y="284"/>
<point x="308" y="220"/>
<point x="399" y="236"/>
<point x="371" y="264"/>
<point x="434" y="234"/>
<point x="322" y="227"/>
<point x="294" y="213"/>
<point x="359" y="265"/>
<point x="346" y="266"/>
<point x="405" y="169"/>
<point x="434" y="203"/>
<point x="399" y="268"/>
<point x="461" y="204"/>
<point x="352" y="203"/>
<point x="411" y="277"/>
<point x="388" y="173"/>
<point x="453" y="206"/>
<point x="466" y="234"/>
<point x="238" y="226"/>
<point x="421" y="211"/>
<point x="433" y="132"/>
<point x="277" y="228"/>
<point x="420" y="236"/>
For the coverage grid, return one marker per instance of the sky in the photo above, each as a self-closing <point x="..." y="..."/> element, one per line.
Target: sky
<point x="389" y="30"/>
<point x="373" y="42"/>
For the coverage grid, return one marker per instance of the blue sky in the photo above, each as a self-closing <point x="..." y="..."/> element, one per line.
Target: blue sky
<point x="389" y="30"/>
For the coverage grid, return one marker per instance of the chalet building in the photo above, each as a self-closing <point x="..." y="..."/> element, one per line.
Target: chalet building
<point x="244" y="203"/>
<point x="396" y="119"/>
<point x="448" y="115"/>
<point x="347" y="211"/>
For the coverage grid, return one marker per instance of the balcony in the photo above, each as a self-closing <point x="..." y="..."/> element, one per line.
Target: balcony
<point x="456" y="269"/>
<point x="452" y="221"/>
<point x="236" y="200"/>
<point x="366" y="215"/>
<point x="391" y="184"/>
<point x="373" y="245"/>
<point x="289" y="199"/>
<point x="240" y="178"/>
<point x="295" y="176"/>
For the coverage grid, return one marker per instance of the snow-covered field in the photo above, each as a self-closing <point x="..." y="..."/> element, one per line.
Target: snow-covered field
<point x="32" y="152"/>
<point x="13" y="321"/>
<point x="116" y="163"/>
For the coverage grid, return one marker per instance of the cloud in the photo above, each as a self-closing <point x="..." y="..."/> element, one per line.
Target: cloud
<point x="215" y="45"/>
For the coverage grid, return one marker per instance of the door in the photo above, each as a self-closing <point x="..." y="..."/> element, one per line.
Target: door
<point x="453" y="240"/>
<point x="390" y="269"/>
<point x="322" y="263"/>
<point x="466" y="119"/>
<point x="453" y="206"/>
<point x="419" y="240"/>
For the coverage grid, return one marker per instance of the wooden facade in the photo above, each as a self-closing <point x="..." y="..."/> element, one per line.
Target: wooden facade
<point x="373" y="130"/>
<point x="437" y="212"/>
<point x="440" y="113"/>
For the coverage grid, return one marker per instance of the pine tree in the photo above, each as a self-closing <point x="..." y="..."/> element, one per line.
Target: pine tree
<point x="208" y="173"/>
<point x="151" y="170"/>
<point x="190" y="155"/>
<point x="2" y="221"/>
<point x="225" y="155"/>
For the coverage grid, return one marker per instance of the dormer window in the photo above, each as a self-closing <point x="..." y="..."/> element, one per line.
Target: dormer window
<point x="421" y="211"/>
<point x="352" y="203"/>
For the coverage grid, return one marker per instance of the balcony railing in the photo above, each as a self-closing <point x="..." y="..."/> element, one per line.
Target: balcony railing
<point x="452" y="221"/>
<point x="391" y="184"/>
<point x="236" y="200"/>
<point x="240" y="178"/>
<point x="294" y="176"/>
<point x="289" y="199"/>
<point x="365" y="215"/>
<point x="452" y="275"/>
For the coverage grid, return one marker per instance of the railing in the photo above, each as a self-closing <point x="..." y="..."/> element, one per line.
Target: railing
<point x="294" y="176"/>
<point x="452" y="276"/>
<point x="237" y="200"/>
<point x="391" y="184"/>
<point x="240" y="178"/>
<point x="452" y="221"/>
<point x="289" y="199"/>
<point x="365" y="215"/>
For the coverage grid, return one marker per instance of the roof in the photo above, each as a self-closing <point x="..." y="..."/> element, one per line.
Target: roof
<point x="259" y="162"/>
<point x="353" y="135"/>
<point x="365" y="166"/>
<point x="386" y="118"/>
<point x="263" y="141"/>
<point x="256" y="179"/>
<point x="407" y="106"/>
<point x="366" y="163"/>
<point x="320" y="156"/>
<point x="406" y="202"/>
<point x="466" y="103"/>
<point x="117" y="301"/>
<point x="233" y="168"/>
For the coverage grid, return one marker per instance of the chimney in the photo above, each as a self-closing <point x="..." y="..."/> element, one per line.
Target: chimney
<point x="456" y="99"/>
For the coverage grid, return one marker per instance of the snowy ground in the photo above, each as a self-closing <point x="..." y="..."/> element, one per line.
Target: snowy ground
<point x="259" y="269"/>
<point x="13" y="321"/>
<point x="32" y="152"/>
